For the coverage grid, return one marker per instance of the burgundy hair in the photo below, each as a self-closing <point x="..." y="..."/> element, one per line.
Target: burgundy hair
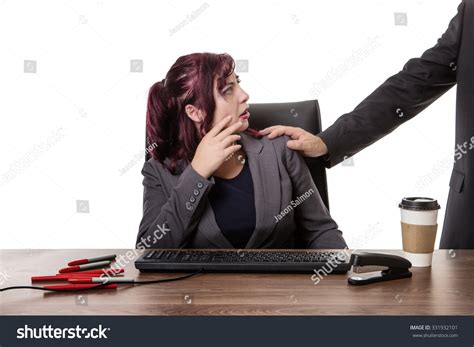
<point x="189" y="81"/>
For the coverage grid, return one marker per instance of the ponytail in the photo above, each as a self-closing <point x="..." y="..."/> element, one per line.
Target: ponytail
<point x="158" y="120"/>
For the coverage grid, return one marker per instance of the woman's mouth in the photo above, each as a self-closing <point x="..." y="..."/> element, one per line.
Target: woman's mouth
<point x="245" y="115"/>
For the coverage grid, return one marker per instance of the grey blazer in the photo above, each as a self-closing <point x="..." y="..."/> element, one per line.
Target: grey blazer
<point x="289" y="210"/>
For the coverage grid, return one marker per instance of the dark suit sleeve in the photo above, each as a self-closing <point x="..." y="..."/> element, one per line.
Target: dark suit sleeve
<point x="315" y="227"/>
<point x="400" y="98"/>
<point x="170" y="222"/>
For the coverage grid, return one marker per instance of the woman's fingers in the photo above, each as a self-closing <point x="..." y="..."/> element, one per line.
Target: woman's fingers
<point x="230" y="139"/>
<point x="229" y="130"/>
<point x="232" y="149"/>
<point x="219" y="126"/>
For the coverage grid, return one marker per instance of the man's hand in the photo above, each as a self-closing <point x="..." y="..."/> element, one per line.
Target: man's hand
<point x="301" y="140"/>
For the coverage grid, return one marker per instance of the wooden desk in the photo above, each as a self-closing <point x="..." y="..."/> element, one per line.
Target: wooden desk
<point x="447" y="288"/>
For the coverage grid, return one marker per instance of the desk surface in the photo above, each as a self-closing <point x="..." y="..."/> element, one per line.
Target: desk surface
<point x="447" y="288"/>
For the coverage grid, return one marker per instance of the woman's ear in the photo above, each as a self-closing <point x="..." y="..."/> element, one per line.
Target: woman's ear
<point x="195" y="114"/>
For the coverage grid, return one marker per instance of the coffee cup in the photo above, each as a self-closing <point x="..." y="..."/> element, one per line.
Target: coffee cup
<point x="419" y="225"/>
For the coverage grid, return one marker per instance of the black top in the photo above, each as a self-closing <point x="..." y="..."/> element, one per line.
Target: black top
<point x="234" y="207"/>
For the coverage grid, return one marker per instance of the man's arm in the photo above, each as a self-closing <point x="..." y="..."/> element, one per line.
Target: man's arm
<point x="422" y="81"/>
<point x="400" y="98"/>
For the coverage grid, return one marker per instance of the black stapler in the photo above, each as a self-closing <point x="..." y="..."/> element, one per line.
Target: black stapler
<point x="395" y="267"/>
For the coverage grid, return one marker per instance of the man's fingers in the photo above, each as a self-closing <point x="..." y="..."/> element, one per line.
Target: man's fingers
<point x="296" y="145"/>
<point x="268" y="130"/>
<point x="280" y="130"/>
<point x="277" y="131"/>
<point x="219" y="126"/>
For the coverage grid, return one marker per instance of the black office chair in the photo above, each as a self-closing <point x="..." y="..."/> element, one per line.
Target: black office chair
<point x="303" y="114"/>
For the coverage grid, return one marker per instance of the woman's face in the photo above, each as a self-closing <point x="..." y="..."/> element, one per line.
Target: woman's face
<point x="232" y="100"/>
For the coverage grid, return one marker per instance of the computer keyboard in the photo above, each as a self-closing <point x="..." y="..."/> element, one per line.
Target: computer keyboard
<point x="245" y="260"/>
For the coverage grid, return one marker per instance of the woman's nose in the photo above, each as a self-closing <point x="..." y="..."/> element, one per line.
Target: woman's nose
<point x="245" y="96"/>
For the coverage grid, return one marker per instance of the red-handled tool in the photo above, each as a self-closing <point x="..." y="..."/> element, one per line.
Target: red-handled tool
<point x="85" y="266"/>
<point x="97" y="272"/>
<point x="86" y="274"/>
<point x="99" y="280"/>
<point x="67" y="287"/>
<point x="92" y="260"/>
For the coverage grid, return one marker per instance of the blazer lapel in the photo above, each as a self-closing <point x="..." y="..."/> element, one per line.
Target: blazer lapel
<point x="266" y="184"/>
<point x="267" y="195"/>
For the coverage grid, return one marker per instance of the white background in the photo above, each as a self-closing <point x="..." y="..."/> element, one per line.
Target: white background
<point x="70" y="129"/>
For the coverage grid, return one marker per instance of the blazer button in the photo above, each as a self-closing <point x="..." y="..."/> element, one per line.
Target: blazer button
<point x="200" y="185"/>
<point x="188" y="206"/>
<point x="453" y="66"/>
<point x="196" y="192"/>
<point x="192" y="199"/>
<point x="399" y="112"/>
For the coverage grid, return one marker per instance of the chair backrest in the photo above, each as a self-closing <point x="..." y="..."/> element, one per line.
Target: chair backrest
<point x="302" y="114"/>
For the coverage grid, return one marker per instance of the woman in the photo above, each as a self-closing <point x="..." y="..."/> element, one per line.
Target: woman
<point x="214" y="183"/>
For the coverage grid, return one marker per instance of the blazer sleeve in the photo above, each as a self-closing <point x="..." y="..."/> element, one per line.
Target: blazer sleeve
<point x="170" y="222"/>
<point x="422" y="81"/>
<point x="315" y="227"/>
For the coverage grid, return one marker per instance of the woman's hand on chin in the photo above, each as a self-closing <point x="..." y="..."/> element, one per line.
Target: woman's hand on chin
<point x="215" y="147"/>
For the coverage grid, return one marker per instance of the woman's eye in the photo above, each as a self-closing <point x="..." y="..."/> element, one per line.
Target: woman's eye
<point x="228" y="91"/>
